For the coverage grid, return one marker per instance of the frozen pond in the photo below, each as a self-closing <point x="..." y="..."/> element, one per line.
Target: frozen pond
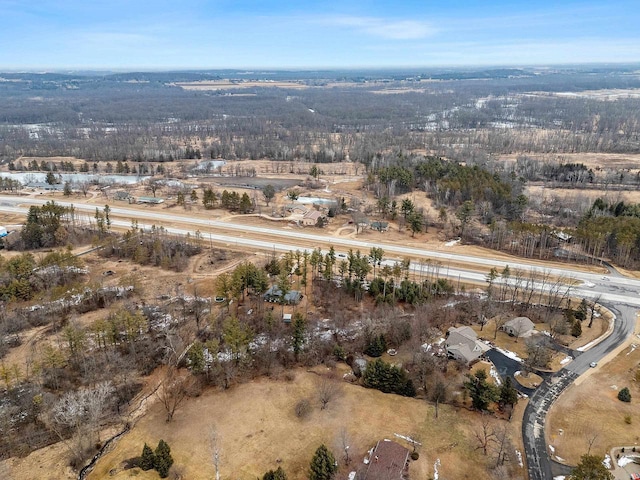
<point x="30" y="178"/>
<point x="314" y="200"/>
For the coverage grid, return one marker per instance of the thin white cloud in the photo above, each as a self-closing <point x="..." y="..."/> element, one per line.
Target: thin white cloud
<point x="391" y="29"/>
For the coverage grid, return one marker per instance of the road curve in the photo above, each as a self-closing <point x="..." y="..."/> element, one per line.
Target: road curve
<point x="535" y="445"/>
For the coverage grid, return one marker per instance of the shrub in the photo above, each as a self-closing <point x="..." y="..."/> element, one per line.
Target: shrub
<point x="576" y="328"/>
<point x="414" y="455"/>
<point x="339" y="353"/>
<point x="624" y="395"/>
<point x="376" y="347"/>
<point x="303" y="408"/>
<point x="627" y="420"/>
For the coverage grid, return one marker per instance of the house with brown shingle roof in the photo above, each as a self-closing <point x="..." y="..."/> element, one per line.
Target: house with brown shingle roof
<point x="311" y="218"/>
<point x="388" y="461"/>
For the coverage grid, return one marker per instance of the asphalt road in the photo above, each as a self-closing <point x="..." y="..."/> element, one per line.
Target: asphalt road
<point x="611" y="289"/>
<point x="622" y="292"/>
<point x="535" y="445"/>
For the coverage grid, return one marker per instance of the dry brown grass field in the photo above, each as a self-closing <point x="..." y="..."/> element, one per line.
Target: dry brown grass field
<point x="591" y="408"/>
<point x="259" y="430"/>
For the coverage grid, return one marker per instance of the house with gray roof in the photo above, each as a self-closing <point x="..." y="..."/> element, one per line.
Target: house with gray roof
<point x="462" y="344"/>
<point x="519" y="327"/>
<point x="274" y="295"/>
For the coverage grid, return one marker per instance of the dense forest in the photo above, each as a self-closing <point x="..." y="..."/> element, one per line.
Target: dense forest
<point x="460" y="114"/>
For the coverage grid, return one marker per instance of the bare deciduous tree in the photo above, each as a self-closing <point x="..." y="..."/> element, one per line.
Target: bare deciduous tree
<point x="438" y="392"/>
<point x="327" y="391"/>
<point x="173" y="391"/>
<point x="344" y="443"/>
<point x="216" y="449"/>
<point x="79" y="413"/>
<point x="502" y="444"/>
<point x="486" y="436"/>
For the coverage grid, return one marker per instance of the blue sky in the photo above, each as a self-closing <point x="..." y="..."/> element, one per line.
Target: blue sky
<point x="204" y="34"/>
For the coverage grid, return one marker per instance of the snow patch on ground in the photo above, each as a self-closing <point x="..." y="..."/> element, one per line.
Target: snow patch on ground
<point x="633" y="347"/>
<point x="559" y="477"/>
<point x="552" y="449"/>
<point x="495" y="375"/>
<point x="519" y="455"/>
<point x="566" y="359"/>
<point x="408" y="439"/>
<point x="368" y="457"/>
<point x="624" y="460"/>
<point x="507" y="353"/>
<point x="607" y="461"/>
<point x="352" y="475"/>
<point x="436" y="476"/>
<point x="451" y="243"/>
<point x="560" y="459"/>
<point x="597" y="340"/>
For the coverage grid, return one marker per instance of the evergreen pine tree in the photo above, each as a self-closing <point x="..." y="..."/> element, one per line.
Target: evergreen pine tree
<point x="278" y="474"/>
<point x="508" y="394"/>
<point x="323" y="465"/>
<point x="576" y="328"/>
<point x="482" y="393"/>
<point x="148" y="459"/>
<point x="163" y="459"/>
<point x="299" y="328"/>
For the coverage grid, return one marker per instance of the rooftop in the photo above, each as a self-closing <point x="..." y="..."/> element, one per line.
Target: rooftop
<point x="388" y="461"/>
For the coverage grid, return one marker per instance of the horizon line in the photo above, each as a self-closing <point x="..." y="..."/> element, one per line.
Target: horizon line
<point x="264" y="69"/>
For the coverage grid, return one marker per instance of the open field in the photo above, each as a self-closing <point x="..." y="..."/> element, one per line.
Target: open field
<point x="259" y="430"/>
<point x="590" y="408"/>
<point x="234" y="84"/>
<point x="591" y="160"/>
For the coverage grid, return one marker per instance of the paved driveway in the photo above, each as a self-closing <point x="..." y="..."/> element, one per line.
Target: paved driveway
<point x="507" y="367"/>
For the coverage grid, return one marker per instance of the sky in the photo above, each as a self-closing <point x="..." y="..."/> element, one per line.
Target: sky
<point x="304" y="34"/>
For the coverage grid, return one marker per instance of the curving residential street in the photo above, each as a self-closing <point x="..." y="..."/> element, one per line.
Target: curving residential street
<point x="538" y="461"/>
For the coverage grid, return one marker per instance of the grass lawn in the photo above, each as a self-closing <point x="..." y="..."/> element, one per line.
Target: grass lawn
<point x="592" y="408"/>
<point x="259" y="431"/>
